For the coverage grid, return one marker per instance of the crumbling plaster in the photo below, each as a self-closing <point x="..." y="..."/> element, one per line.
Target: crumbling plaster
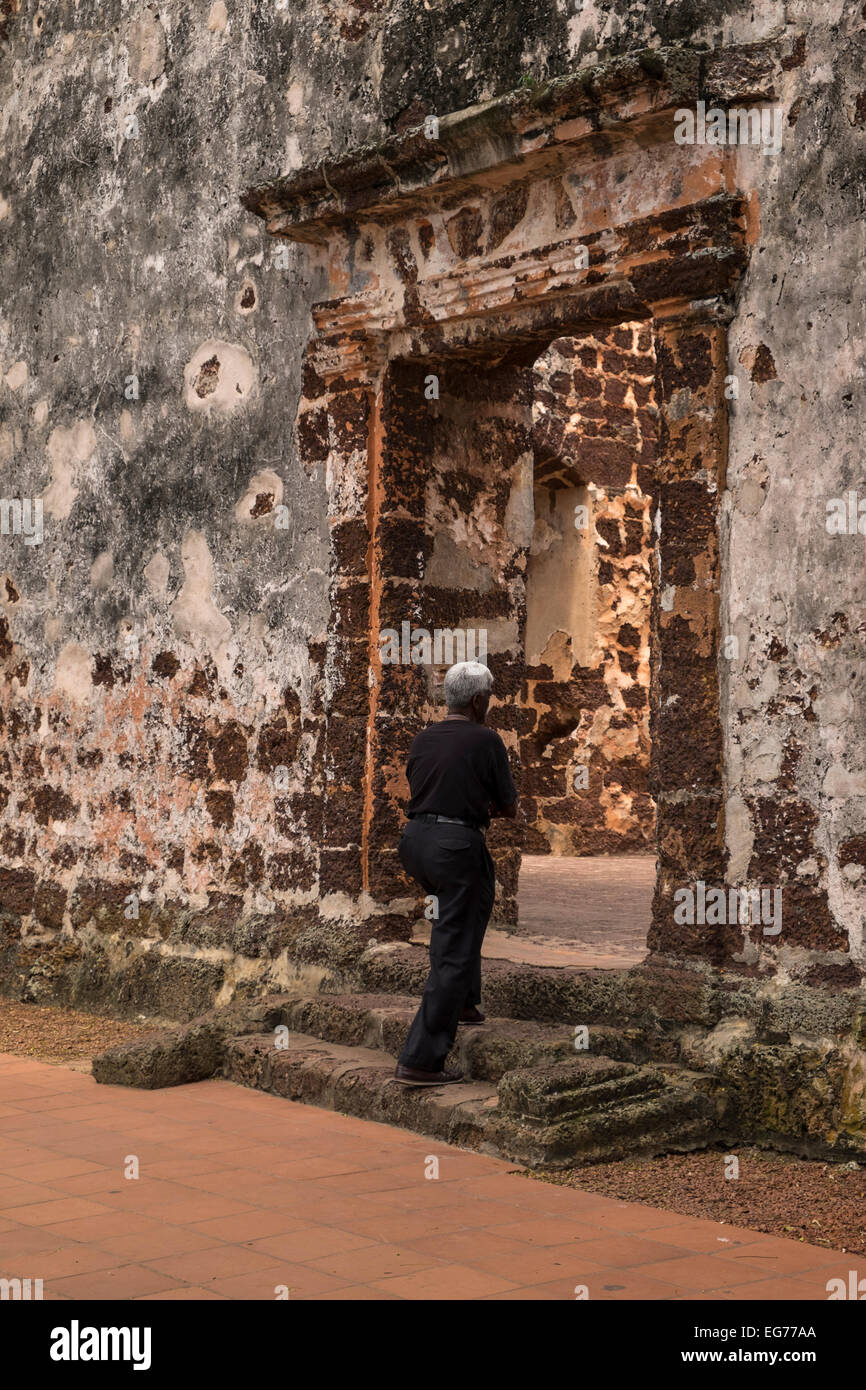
<point x="128" y="132"/>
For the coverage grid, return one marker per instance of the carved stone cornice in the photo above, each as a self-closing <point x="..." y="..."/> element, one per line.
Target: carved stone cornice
<point x="535" y="127"/>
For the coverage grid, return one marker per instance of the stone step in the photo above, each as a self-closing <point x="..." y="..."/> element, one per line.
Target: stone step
<point x="585" y="1086"/>
<point x="676" y="1120"/>
<point x="547" y="994"/>
<point x="585" y="1110"/>
<point x="644" y="1004"/>
<point x="360" y="1081"/>
<point x="483" y="1053"/>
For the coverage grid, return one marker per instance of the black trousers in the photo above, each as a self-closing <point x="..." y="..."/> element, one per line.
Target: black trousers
<point x="453" y="864"/>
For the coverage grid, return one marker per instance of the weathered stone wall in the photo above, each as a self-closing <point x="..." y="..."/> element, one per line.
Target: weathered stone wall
<point x="159" y="646"/>
<point x="164" y="649"/>
<point x="586" y="758"/>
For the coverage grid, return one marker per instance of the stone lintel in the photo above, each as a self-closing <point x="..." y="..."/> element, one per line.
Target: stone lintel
<point x="527" y="131"/>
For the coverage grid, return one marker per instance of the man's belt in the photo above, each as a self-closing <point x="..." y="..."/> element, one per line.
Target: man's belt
<point x="431" y="818"/>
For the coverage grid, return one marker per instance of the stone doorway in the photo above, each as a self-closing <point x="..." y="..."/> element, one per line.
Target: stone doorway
<point x="475" y="459"/>
<point x="531" y="488"/>
<point x="462" y="454"/>
<point x="449" y="280"/>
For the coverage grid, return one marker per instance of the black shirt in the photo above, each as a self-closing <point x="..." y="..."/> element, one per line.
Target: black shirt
<point x="457" y="768"/>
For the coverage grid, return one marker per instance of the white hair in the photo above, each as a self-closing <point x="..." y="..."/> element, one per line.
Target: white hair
<point x="463" y="681"/>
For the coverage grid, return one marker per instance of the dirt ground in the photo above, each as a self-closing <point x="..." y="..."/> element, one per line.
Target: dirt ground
<point x="65" y="1037"/>
<point x="800" y="1199"/>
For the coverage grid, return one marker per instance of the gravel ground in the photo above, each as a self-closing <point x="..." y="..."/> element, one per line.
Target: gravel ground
<point x="801" y="1199"/>
<point x="66" y="1037"/>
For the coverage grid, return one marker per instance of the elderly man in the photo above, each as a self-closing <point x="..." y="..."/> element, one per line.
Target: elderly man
<point x="458" y="777"/>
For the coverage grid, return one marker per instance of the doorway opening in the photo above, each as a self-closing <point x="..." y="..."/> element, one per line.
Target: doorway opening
<point x="517" y="515"/>
<point x="588" y="868"/>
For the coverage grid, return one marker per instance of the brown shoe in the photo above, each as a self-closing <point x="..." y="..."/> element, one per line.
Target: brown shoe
<point x="411" y="1076"/>
<point x="472" y="1015"/>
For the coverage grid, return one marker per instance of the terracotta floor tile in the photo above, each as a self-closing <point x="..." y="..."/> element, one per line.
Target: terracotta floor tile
<point x="373" y="1262"/>
<point x="199" y="1206"/>
<point x="422" y="1195"/>
<point x="374" y="1179"/>
<point x="300" y="1279"/>
<point x="616" y="1285"/>
<point x="445" y="1282"/>
<point x="94" y="1184"/>
<point x="109" y="1154"/>
<point x="328" y="1209"/>
<point x="703" y="1236"/>
<point x="484" y="1212"/>
<point x="188" y="1293"/>
<point x="17" y="1122"/>
<point x="516" y="1261"/>
<point x="61" y="1209"/>
<point x="784" y="1290"/>
<point x="48" y="1170"/>
<point x="78" y="1113"/>
<point x="467" y="1246"/>
<point x="628" y="1217"/>
<point x="96" y="1228"/>
<point x="545" y="1230"/>
<point x="719" y="1296"/>
<point x="262" y="1158"/>
<point x="405" y="1226"/>
<point x="143" y="1194"/>
<point x="454" y="1164"/>
<point x="186" y="1170"/>
<point x="558" y="1290"/>
<point x="319" y="1167"/>
<point x="14" y="1155"/>
<point x="626" y="1251"/>
<point x="58" y="1103"/>
<point x="24" y="1241"/>
<point x="542" y="1197"/>
<point x="157" y="1242"/>
<point x="777" y="1256"/>
<point x="20" y="1194"/>
<point x="216" y="1262"/>
<point x="243" y="1182"/>
<point x="313" y="1243"/>
<point x="702" y="1273"/>
<point x="59" y="1264"/>
<point x="353" y="1293"/>
<point x="19" y="1090"/>
<point x="250" y="1226"/>
<point x="215" y="1144"/>
<point x="122" y="1282"/>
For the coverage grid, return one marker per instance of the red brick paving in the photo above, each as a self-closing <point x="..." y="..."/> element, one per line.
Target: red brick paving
<point x="241" y="1193"/>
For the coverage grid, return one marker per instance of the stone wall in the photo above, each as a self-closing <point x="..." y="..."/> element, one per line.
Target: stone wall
<point x="165" y="649"/>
